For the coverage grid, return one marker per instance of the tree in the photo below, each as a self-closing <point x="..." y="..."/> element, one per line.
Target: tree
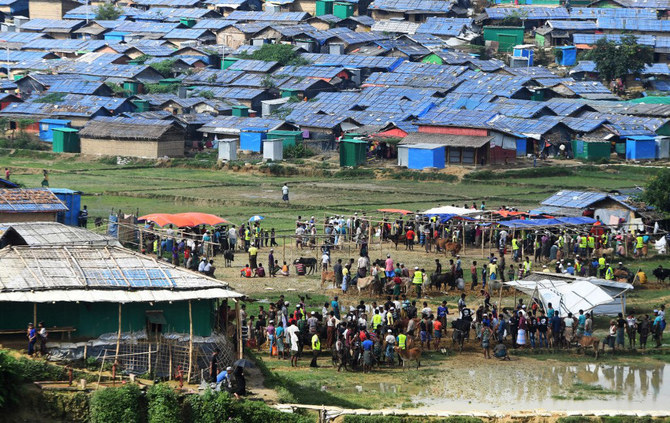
<point x="617" y="60"/>
<point x="108" y="12"/>
<point x="282" y="53"/>
<point x="657" y="191"/>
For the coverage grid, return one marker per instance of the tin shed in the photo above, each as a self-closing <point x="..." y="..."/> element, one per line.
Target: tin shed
<point x="640" y="147"/>
<point x="591" y="150"/>
<point x="352" y="152"/>
<point x="65" y="140"/>
<point x="421" y="156"/>
<point x="71" y="199"/>
<point x="47" y="126"/>
<point x="273" y="149"/>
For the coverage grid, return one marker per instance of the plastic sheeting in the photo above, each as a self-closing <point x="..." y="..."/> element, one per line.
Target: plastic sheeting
<point x="113" y="228"/>
<point x="565" y="297"/>
<point x="558" y="221"/>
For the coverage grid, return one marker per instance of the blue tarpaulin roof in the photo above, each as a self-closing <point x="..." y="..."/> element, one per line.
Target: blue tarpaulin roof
<point x="558" y="221"/>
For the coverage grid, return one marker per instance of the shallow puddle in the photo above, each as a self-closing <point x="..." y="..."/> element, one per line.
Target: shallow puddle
<point x="538" y="386"/>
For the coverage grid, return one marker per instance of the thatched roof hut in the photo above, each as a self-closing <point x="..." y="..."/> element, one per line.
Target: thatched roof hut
<point x="135" y="137"/>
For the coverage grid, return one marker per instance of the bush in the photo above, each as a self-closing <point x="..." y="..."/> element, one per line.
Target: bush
<point x="10" y="381"/>
<point x="210" y="407"/>
<point x="279" y="170"/>
<point x="282" y="53"/>
<point x="116" y="405"/>
<point x="355" y="173"/>
<point x="421" y="176"/>
<point x="298" y="151"/>
<point x="163" y="405"/>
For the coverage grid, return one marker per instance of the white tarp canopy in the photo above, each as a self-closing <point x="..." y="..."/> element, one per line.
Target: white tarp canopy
<point x="564" y="297"/>
<point x="460" y="211"/>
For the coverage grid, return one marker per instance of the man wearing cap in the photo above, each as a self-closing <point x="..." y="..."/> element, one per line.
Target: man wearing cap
<point x="417" y="281"/>
<point x="609" y="272"/>
<point x="223" y="379"/>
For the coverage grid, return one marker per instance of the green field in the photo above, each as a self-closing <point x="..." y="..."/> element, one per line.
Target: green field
<point x="175" y="187"/>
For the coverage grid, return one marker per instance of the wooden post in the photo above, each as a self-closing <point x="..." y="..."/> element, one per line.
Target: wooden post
<point x="482" y="241"/>
<point x="463" y="230"/>
<point x="141" y="239"/>
<point x="284" y="252"/>
<point x="240" y="345"/>
<point x="500" y="307"/>
<point x="149" y="358"/>
<point x="35" y="314"/>
<point x="118" y="336"/>
<point x="490" y="238"/>
<point x="190" y="341"/>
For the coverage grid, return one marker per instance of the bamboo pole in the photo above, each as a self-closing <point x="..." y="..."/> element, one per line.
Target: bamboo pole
<point x="463" y="230"/>
<point x="149" y="358"/>
<point x="490" y="238"/>
<point x="240" y="346"/>
<point x="284" y="250"/>
<point x="170" y="362"/>
<point x="35" y="314"/>
<point x="118" y="336"/>
<point x="483" y="235"/>
<point x="190" y="341"/>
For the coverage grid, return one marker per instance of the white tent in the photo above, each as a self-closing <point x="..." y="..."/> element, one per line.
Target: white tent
<point x="460" y="211"/>
<point x="564" y="297"/>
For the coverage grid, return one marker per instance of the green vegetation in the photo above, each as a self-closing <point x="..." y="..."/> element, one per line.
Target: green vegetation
<point x="397" y="419"/>
<point x="297" y="151"/>
<point x="53" y="98"/>
<point x="355" y="173"/>
<point x="657" y="191"/>
<point x="164" y="67"/>
<point x="282" y="53"/>
<point x="161" y="89"/>
<point x="114" y="405"/>
<point x="618" y="60"/>
<point x="108" y="12"/>
<point x="163" y="404"/>
<point x="10" y="381"/>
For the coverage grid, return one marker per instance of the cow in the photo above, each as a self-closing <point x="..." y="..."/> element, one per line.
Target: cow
<point x="444" y="244"/>
<point x="327" y="276"/>
<point x="398" y="239"/>
<point x="309" y="263"/>
<point x="229" y="257"/>
<point x="438" y="280"/>
<point x="588" y="341"/>
<point x="461" y="332"/>
<point x="368" y="281"/>
<point x="409" y="354"/>
<point x="661" y="274"/>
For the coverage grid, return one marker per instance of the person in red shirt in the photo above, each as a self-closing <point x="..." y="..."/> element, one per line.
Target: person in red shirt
<point x="437" y="332"/>
<point x="246" y="272"/>
<point x="410" y="239"/>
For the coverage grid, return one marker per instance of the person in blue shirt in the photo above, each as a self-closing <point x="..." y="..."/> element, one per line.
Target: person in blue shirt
<point x="657" y="328"/>
<point x="570" y="269"/>
<point x="550" y="312"/>
<point x="502" y="326"/>
<point x="336" y="307"/>
<point x="223" y="379"/>
<point x="442" y="312"/>
<point x="32" y="338"/>
<point x="367" y="354"/>
<point x="556" y="329"/>
<point x="581" y="323"/>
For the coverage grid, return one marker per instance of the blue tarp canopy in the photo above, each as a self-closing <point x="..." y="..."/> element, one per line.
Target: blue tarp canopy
<point x="445" y="217"/>
<point x="559" y="221"/>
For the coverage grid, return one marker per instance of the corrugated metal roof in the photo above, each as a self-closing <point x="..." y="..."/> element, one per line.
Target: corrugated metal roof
<point x="29" y="200"/>
<point x="98" y="274"/>
<point x="589" y="39"/>
<point x="634" y="24"/>
<point x="354" y="61"/>
<point x="444" y="26"/>
<point x="75" y="86"/>
<point x="47" y="25"/>
<point x="573" y="25"/>
<point x="528" y="12"/>
<point x="429" y="69"/>
<point x="598" y="12"/>
<point x="250" y="65"/>
<point x="412" y="6"/>
<point x="39" y="234"/>
<point x="581" y="199"/>
<point x="240" y="15"/>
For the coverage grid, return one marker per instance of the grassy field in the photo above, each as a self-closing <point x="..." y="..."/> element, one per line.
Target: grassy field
<point x="171" y="187"/>
<point x="196" y="185"/>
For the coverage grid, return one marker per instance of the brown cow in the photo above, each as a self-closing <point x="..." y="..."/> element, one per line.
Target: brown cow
<point x="408" y="355"/>
<point x="448" y="246"/>
<point x="588" y="341"/>
<point x="327" y="276"/>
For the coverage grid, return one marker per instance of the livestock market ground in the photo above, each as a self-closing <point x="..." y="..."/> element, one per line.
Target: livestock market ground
<point x="180" y="186"/>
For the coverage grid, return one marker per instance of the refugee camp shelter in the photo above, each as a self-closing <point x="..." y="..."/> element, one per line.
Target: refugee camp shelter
<point x="65" y="140"/>
<point x="48" y="125"/>
<point x="640" y="147"/>
<point x="610" y="208"/>
<point x="616" y="290"/>
<point x="132" y="137"/>
<point x="252" y="138"/>
<point x="591" y="150"/>
<point x="459" y="149"/>
<point x="72" y="200"/>
<point x="45" y="234"/>
<point x="95" y="289"/>
<point x="421" y="156"/>
<point x="29" y="205"/>
<point x="352" y="152"/>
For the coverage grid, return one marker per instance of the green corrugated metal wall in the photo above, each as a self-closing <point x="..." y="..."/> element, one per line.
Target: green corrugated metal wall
<point x="93" y="319"/>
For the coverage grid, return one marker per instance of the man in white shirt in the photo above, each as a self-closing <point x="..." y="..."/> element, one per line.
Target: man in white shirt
<point x="284" y="192"/>
<point x="325" y="260"/>
<point x="293" y="332"/>
<point x="232" y="237"/>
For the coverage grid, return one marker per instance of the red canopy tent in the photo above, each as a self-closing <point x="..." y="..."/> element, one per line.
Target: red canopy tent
<point x="182" y="220"/>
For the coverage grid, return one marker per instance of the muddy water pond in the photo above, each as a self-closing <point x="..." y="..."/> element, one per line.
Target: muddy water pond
<point x="534" y="385"/>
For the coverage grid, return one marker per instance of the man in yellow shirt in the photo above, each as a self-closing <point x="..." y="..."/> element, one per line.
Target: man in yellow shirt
<point x="253" y="254"/>
<point x="417" y="281"/>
